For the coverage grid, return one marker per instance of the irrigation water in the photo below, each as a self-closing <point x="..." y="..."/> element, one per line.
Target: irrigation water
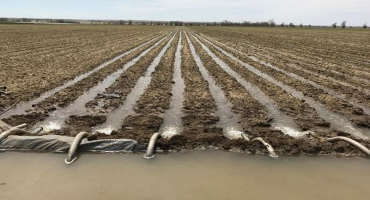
<point x="198" y="175"/>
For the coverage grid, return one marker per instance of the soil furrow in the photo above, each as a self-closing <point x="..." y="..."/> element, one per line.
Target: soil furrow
<point x="21" y="108"/>
<point x="199" y="120"/>
<point x="278" y="120"/>
<point x="338" y="103"/>
<point x="172" y="120"/>
<point x="56" y="119"/>
<point x="269" y="50"/>
<point x="229" y="121"/>
<point x="303" y="115"/>
<point x="117" y="117"/>
<point x="337" y="122"/>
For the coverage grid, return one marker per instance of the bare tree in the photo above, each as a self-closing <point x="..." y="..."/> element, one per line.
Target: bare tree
<point x="364" y="26"/>
<point x="334" y="25"/>
<point x="344" y="24"/>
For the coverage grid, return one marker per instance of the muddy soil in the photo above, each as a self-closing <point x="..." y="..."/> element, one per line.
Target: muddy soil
<point x="334" y="104"/>
<point x="200" y="122"/>
<point x="253" y="116"/>
<point x="321" y="66"/>
<point x="114" y="95"/>
<point x="150" y="108"/>
<point x="305" y="116"/>
<point x="66" y="96"/>
<point x="324" y="47"/>
<point x="27" y="75"/>
<point x="355" y="114"/>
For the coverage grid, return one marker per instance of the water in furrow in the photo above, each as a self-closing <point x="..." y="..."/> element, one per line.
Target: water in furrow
<point x="364" y="90"/>
<point x="304" y="80"/>
<point x="172" y="123"/>
<point x="281" y="121"/>
<point x="365" y="108"/>
<point x="57" y="118"/>
<point x="116" y="118"/>
<point x="338" y="122"/>
<point x="22" y="107"/>
<point x="228" y="119"/>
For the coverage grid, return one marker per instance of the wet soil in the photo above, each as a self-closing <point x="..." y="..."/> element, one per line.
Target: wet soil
<point x="324" y="48"/>
<point x="355" y="114"/>
<point x="27" y="75"/>
<point x="253" y="116"/>
<point x="115" y="95"/>
<point x="200" y="122"/>
<point x="305" y="116"/>
<point x="338" y="105"/>
<point x="66" y="96"/>
<point x="254" y="47"/>
<point x="150" y="108"/>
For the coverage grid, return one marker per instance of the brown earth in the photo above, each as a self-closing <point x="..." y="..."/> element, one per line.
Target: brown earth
<point x="200" y="121"/>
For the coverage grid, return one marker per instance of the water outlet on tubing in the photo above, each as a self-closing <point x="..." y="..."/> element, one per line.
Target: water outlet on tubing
<point x="151" y="146"/>
<point x="72" y="157"/>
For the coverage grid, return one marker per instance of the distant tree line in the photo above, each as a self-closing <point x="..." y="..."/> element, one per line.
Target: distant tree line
<point x="269" y="23"/>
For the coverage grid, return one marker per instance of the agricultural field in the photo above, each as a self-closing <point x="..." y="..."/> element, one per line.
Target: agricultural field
<point x="198" y="87"/>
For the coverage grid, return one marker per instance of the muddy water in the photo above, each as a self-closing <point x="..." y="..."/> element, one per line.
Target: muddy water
<point x="57" y="118"/>
<point x="281" y="121"/>
<point x="172" y="123"/>
<point x="337" y="121"/>
<point x="228" y="119"/>
<point x="21" y="108"/>
<point x="116" y="118"/>
<point x="200" y="175"/>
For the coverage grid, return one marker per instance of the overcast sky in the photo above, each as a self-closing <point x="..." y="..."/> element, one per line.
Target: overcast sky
<point x="316" y="12"/>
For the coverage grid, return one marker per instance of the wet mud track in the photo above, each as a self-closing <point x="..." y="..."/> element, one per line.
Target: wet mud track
<point x="135" y="103"/>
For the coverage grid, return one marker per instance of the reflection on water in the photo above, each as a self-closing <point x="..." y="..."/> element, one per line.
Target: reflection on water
<point x="198" y="175"/>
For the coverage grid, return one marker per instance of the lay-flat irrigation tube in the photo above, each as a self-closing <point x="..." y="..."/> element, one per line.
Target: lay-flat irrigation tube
<point x="337" y="122"/>
<point x="295" y="76"/>
<point x="22" y="107"/>
<point x="11" y="131"/>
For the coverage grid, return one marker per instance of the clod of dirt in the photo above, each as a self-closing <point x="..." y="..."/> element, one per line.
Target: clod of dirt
<point x="86" y="120"/>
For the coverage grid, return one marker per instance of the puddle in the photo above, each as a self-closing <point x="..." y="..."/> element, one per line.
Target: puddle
<point x="22" y="107"/>
<point x="180" y="176"/>
<point x="337" y="122"/>
<point x="116" y="118"/>
<point x="228" y="119"/>
<point x="172" y="123"/>
<point x="58" y="117"/>
<point x="281" y="121"/>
